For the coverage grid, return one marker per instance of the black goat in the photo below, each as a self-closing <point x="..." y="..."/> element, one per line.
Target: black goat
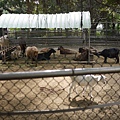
<point x="23" y="46"/>
<point x="46" y="55"/>
<point x="109" y="53"/>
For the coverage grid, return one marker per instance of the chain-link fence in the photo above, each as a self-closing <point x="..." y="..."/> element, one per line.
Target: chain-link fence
<point x="103" y="35"/>
<point x="28" y="92"/>
<point x="45" y="95"/>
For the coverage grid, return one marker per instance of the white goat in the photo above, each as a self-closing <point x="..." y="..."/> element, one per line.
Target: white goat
<point x="4" y="41"/>
<point x="86" y="81"/>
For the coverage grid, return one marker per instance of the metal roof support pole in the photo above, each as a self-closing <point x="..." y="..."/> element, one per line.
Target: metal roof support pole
<point x="3" y="48"/>
<point x="37" y="14"/>
<point x="89" y="45"/>
<point x="81" y="23"/>
<point x="29" y="24"/>
<point x="3" y="32"/>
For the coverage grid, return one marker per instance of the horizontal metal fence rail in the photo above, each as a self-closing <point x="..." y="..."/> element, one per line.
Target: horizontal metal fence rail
<point x="57" y="73"/>
<point x="57" y="111"/>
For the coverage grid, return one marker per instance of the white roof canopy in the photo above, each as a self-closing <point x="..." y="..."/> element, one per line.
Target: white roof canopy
<point x="62" y="20"/>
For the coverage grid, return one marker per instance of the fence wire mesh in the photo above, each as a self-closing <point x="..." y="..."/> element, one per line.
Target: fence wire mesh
<point x="47" y="97"/>
<point x="34" y="98"/>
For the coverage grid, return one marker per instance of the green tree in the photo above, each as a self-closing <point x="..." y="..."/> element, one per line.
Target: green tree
<point x="101" y="10"/>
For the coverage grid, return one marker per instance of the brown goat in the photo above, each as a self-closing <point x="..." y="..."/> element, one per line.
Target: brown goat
<point x="66" y="51"/>
<point x="84" y="53"/>
<point x="82" y="57"/>
<point x="32" y="53"/>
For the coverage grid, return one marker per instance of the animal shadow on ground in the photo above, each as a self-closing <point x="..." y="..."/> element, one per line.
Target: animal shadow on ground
<point x="81" y="103"/>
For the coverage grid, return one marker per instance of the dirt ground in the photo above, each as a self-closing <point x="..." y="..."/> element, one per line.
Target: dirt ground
<point x="52" y="93"/>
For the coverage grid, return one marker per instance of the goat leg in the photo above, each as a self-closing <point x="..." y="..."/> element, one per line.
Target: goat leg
<point x="84" y="89"/>
<point x="105" y="59"/>
<point x="91" y="96"/>
<point x="117" y="58"/>
<point x="70" y="92"/>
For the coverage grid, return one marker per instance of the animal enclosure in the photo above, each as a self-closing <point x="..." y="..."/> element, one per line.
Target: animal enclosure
<point x="36" y="97"/>
<point x="44" y="95"/>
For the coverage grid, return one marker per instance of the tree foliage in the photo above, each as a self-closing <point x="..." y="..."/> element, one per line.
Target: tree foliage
<point x="101" y="10"/>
